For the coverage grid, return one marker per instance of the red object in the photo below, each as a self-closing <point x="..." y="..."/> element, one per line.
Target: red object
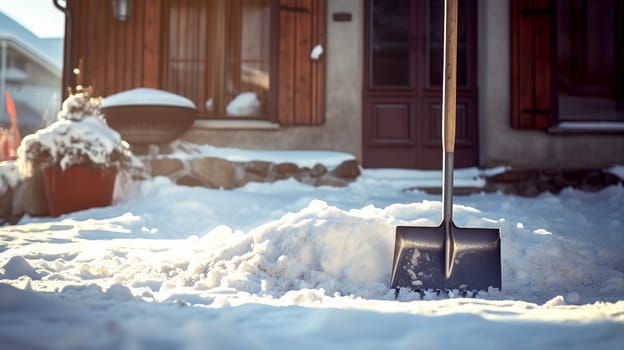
<point x="12" y="141"/>
<point x="78" y="188"/>
<point x="10" y="105"/>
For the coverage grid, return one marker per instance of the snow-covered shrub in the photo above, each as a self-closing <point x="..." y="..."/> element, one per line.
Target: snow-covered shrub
<point x="80" y="136"/>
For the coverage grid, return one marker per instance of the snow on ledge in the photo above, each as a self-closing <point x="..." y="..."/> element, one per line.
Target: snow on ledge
<point x="586" y="126"/>
<point x="147" y="96"/>
<point x="235" y="124"/>
<point x="303" y="158"/>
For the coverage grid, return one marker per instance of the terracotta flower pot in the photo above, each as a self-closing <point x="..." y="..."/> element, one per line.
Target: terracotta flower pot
<point x="78" y="188"/>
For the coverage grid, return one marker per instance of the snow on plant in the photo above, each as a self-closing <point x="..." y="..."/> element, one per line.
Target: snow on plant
<point x="80" y="136"/>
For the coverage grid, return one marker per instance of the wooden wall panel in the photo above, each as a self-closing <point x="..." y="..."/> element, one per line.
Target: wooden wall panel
<point x="152" y="43"/>
<point x="304" y="42"/>
<point x="114" y="55"/>
<point x="286" y="84"/>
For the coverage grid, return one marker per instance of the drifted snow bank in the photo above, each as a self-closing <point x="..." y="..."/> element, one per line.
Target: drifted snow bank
<point x="319" y="247"/>
<point x="350" y="253"/>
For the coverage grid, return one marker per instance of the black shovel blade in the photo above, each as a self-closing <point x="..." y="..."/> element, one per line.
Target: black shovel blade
<point x="421" y="262"/>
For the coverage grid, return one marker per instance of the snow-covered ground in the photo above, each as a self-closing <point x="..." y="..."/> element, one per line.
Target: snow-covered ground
<point x="290" y="266"/>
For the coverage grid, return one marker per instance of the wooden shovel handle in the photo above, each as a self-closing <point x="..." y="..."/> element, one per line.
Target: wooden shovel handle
<point x="450" y="75"/>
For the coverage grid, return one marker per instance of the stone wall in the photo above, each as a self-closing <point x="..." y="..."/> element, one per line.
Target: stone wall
<point x="220" y="173"/>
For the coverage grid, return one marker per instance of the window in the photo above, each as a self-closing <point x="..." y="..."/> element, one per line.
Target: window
<point x="587" y="61"/>
<point x="218" y="54"/>
<point x="250" y="54"/>
<point x="567" y="63"/>
<point x="390" y="49"/>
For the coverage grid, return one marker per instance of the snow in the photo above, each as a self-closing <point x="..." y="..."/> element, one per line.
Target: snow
<point x="9" y="176"/>
<point x="602" y="125"/>
<point x="302" y="158"/>
<point x="617" y="170"/>
<point x="147" y="97"/>
<point x="78" y="136"/>
<point x="286" y="265"/>
<point x="316" y="52"/>
<point x="244" y="104"/>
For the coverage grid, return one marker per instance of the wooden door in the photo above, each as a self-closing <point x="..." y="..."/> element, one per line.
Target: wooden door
<point x="402" y="93"/>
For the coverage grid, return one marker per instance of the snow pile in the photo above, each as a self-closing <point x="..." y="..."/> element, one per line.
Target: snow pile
<point x="244" y="104"/>
<point x="350" y="253"/>
<point x="318" y="247"/>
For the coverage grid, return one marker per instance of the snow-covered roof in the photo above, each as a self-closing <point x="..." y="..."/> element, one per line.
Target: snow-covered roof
<point x="47" y="52"/>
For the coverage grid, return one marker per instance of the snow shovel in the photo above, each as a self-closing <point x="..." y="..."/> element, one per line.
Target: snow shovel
<point x="447" y="257"/>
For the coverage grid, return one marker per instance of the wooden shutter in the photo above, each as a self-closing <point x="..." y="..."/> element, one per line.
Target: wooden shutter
<point x="301" y="80"/>
<point x="531" y="59"/>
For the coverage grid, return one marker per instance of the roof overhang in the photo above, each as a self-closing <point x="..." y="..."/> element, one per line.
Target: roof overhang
<point x="33" y="53"/>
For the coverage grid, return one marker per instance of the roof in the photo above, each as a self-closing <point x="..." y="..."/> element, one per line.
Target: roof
<point x="49" y="52"/>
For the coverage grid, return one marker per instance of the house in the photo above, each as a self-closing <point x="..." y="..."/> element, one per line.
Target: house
<point x="540" y="82"/>
<point x="30" y="70"/>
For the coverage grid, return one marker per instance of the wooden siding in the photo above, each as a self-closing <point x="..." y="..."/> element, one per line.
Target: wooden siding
<point x="112" y="55"/>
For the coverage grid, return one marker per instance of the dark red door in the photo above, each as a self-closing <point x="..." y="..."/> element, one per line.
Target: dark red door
<point x="403" y="85"/>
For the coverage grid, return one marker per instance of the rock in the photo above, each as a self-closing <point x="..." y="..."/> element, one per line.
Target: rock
<point x="349" y="169"/>
<point x="574" y="177"/>
<point x="166" y="166"/>
<point x="318" y="170"/>
<point x="514" y="176"/>
<point x="188" y="180"/>
<point x="528" y="189"/>
<point x="214" y="172"/>
<point x="6" y="205"/>
<point x="286" y="170"/>
<point x="250" y="177"/>
<point x="10" y="179"/>
<point x="30" y="197"/>
<point x="258" y="168"/>
<point x="597" y="180"/>
<point x="611" y="179"/>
